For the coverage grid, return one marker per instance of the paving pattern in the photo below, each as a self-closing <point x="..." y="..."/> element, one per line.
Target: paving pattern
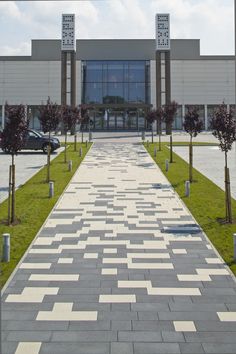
<point x="120" y="267"/>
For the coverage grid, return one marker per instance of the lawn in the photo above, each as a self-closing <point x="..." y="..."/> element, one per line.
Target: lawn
<point x="33" y="205"/>
<point x="206" y="201"/>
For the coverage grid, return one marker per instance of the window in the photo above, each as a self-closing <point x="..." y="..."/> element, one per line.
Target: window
<point x="116" y="82"/>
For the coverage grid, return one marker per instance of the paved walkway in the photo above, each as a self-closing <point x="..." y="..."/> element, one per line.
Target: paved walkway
<point x="120" y="267"/>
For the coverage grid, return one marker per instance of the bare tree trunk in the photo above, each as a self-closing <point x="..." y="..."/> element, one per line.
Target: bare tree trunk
<point x="75" y="142"/>
<point x="191" y="161"/>
<point x="229" y="197"/>
<point x="228" y="208"/>
<point x="9" y="195"/>
<point x="171" y="149"/>
<point x="13" y="192"/>
<point x="65" y="151"/>
<point x="49" y="158"/>
<point x="159" y="132"/>
<point x="152" y="133"/>
<point x="82" y="131"/>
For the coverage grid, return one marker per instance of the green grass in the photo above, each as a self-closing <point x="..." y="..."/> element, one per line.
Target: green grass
<point x="206" y="201"/>
<point x="33" y="205"/>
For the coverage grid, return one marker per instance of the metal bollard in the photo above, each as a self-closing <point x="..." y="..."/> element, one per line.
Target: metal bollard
<point x="81" y="152"/>
<point x="51" y="189"/>
<point x="70" y="165"/>
<point x="167" y="165"/>
<point x="90" y="136"/>
<point x="6" y="248"/>
<point x="148" y="144"/>
<point x="155" y="152"/>
<point x="143" y="135"/>
<point x="86" y="144"/>
<point x="187" y="188"/>
<point x="234" y="236"/>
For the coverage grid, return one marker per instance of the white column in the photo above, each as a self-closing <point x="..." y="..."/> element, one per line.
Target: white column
<point x="153" y="83"/>
<point x="205" y="115"/>
<point x="183" y="114"/>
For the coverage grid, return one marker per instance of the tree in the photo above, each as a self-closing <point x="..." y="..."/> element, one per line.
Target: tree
<point x="13" y="140"/>
<point x="168" y="117"/>
<point x="192" y="125"/>
<point x="150" y="118"/>
<point x="84" y="118"/>
<point x="70" y="116"/>
<point x="159" y="119"/>
<point x="223" y="126"/>
<point x="49" y="117"/>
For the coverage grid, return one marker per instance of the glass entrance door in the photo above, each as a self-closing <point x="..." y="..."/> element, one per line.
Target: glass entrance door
<point x="111" y="120"/>
<point x="119" y="120"/>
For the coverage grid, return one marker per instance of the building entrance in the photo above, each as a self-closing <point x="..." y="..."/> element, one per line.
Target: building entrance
<point x="115" y="119"/>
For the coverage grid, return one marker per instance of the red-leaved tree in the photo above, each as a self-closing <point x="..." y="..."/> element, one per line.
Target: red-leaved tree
<point x="159" y="118"/>
<point x="168" y="117"/>
<point x="70" y="116"/>
<point x="49" y="117"/>
<point x="150" y="118"/>
<point x="223" y="126"/>
<point x="13" y="140"/>
<point x="84" y="118"/>
<point x="192" y="125"/>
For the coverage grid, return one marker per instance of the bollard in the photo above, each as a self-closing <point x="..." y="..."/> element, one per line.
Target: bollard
<point x="90" y="136"/>
<point x="187" y="188"/>
<point x="70" y="166"/>
<point x="51" y="189"/>
<point x="234" y="236"/>
<point x="6" y="248"/>
<point x="86" y="144"/>
<point x="143" y="135"/>
<point x="167" y="165"/>
<point x="148" y="144"/>
<point x="155" y="152"/>
<point x="81" y="152"/>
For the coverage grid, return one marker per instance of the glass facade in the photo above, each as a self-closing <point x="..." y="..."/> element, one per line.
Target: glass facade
<point x="116" y="82"/>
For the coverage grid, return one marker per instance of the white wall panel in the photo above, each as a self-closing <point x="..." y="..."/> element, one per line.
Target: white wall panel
<point x="202" y="81"/>
<point x="30" y="82"/>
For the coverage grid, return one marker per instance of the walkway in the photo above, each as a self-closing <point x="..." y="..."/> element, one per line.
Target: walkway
<point x="120" y="267"/>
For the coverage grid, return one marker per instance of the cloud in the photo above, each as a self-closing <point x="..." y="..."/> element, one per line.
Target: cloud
<point x="24" y="48"/>
<point x="209" y="20"/>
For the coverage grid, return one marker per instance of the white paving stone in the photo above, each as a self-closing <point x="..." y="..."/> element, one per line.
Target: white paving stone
<point x="28" y="348"/>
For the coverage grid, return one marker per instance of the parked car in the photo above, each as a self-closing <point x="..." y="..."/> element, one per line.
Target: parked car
<point x="38" y="141"/>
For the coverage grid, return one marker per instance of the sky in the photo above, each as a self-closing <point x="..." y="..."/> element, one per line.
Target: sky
<point x="211" y="21"/>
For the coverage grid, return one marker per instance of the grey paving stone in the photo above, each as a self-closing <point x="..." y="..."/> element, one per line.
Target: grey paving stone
<point x="156" y="348"/>
<point x="139" y="336"/>
<point x="29" y="336"/>
<point x="74" y="348"/>
<point x="171" y="336"/>
<point x="121" y="348"/>
<point x="84" y="336"/>
<point x="152" y="325"/>
<point x="191" y="348"/>
<point x="219" y="348"/>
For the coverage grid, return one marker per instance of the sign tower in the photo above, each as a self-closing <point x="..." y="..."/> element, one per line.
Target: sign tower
<point x="68" y="60"/>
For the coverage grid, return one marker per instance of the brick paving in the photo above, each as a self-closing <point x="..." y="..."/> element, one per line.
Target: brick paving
<point x="120" y="267"/>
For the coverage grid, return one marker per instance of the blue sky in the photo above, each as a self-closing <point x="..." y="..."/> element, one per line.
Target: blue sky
<point x="212" y="21"/>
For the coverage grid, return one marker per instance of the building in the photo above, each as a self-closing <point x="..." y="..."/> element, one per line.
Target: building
<point x="117" y="79"/>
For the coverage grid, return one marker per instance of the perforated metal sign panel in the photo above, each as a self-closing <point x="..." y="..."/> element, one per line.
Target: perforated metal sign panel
<point x="162" y="32"/>
<point x="68" y="32"/>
